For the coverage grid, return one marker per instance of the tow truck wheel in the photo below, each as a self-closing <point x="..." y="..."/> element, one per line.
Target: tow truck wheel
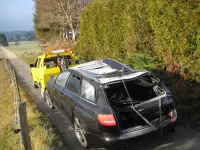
<point x="35" y="85"/>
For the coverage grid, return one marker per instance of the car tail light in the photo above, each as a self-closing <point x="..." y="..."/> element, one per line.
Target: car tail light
<point x="107" y="120"/>
<point x="173" y="115"/>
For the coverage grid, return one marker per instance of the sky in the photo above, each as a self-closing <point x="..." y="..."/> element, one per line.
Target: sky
<point x="16" y="15"/>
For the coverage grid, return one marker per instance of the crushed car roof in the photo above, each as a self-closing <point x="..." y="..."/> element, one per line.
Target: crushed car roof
<point x="107" y="70"/>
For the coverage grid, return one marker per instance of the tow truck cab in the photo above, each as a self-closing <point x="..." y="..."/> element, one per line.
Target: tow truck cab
<point x="46" y="65"/>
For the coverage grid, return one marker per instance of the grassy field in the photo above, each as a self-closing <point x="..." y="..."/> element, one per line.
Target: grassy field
<point x="25" y="47"/>
<point x="27" y="51"/>
<point x="41" y="133"/>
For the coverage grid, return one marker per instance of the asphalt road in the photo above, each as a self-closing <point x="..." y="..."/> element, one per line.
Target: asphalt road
<point x="182" y="139"/>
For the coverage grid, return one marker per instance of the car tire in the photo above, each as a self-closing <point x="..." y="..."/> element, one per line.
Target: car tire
<point x="48" y="100"/>
<point x="80" y="132"/>
<point x="35" y="85"/>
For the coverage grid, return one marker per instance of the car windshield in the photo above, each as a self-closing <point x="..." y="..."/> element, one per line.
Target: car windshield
<point x="134" y="90"/>
<point x="50" y="62"/>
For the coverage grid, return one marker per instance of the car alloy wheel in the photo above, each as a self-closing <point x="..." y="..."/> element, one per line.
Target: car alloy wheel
<point x="80" y="132"/>
<point x="48" y="100"/>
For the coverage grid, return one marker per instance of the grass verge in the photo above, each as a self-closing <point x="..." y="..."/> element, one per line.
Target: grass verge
<point x="41" y="133"/>
<point x="27" y="52"/>
<point x="25" y="47"/>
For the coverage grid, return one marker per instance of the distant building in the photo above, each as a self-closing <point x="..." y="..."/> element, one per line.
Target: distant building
<point x="3" y="40"/>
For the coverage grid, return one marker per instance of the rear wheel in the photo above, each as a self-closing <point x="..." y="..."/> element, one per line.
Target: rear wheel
<point x="80" y="132"/>
<point x="34" y="83"/>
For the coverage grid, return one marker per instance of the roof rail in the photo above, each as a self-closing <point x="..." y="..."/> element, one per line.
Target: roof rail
<point x="118" y="65"/>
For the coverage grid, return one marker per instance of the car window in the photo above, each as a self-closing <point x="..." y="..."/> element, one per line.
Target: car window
<point x="38" y="63"/>
<point x="87" y="91"/>
<point x="62" y="79"/>
<point x="73" y="84"/>
<point x="50" y="62"/>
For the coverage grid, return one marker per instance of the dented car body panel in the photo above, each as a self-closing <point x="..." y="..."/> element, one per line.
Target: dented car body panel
<point x="115" y="104"/>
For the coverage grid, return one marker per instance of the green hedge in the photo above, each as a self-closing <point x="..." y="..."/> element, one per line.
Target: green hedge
<point x="168" y="30"/>
<point x="112" y="28"/>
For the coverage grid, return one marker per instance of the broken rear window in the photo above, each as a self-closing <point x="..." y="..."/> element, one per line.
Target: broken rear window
<point x="139" y="89"/>
<point x="116" y="93"/>
<point x="122" y="94"/>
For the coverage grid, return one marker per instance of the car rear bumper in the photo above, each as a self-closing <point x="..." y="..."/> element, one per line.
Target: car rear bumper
<point x="130" y="138"/>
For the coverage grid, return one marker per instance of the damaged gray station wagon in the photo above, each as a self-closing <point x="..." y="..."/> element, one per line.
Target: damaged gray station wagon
<point x="109" y="103"/>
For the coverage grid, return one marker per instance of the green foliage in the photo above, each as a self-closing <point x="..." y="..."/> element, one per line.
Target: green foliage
<point x="168" y="30"/>
<point x="114" y="28"/>
<point x="176" y="27"/>
<point x="43" y="33"/>
<point x="142" y="61"/>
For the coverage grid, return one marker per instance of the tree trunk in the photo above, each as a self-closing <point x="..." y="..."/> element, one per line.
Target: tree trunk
<point x="73" y="35"/>
<point x="66" y="36"/>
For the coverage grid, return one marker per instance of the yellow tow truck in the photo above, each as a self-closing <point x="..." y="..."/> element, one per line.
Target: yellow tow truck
<point x="47" y="64"/>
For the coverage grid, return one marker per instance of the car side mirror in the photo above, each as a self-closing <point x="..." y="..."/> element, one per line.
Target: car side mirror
<point x="32" y="65"/>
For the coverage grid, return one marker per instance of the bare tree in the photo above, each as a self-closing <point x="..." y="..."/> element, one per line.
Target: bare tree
<point x="60" y="16"/>
<point x="68" y="12"/>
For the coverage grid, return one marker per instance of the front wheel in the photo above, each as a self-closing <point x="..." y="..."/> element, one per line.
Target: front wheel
<point x="48" y="100"/>
<point x="42" y="93"/>
<point x="35" y="85"/>
<point x="80" y="132"/>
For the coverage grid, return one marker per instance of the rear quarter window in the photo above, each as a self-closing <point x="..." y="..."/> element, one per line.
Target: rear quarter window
<point x="62" y="79"/>
<point x="74" y="83"/>
<point x="87" y="91"/>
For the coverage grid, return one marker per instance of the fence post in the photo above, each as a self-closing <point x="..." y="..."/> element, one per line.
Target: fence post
<point x="17" y="85"/>
<point x="24" y="126"/>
